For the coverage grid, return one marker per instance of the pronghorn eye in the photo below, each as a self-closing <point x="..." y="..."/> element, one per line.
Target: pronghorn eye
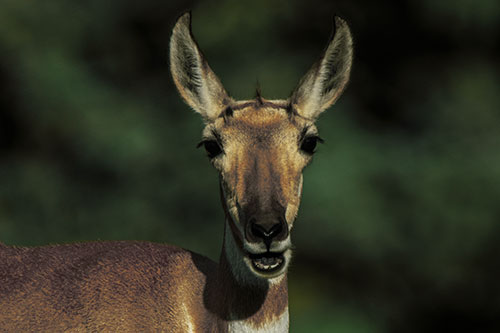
<point x="212" y="147"/>
<point x="309" y="143"/>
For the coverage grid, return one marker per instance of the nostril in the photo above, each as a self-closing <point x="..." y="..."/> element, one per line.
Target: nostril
<point x="275" y="230"/>
<point x="257" y="230"/>
<point x="266" y="234"/>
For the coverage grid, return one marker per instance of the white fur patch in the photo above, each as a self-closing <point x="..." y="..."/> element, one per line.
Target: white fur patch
<point x="189" y="320"/>
<point x="239" y="268"/>
<point x="278" y="325"/>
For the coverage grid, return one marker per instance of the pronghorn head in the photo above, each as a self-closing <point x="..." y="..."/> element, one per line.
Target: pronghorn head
<point x="260" y="147"/>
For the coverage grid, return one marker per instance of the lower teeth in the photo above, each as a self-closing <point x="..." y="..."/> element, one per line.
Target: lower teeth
<point x="267" y="263"/>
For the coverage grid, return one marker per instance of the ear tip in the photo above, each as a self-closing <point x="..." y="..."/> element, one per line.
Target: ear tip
<point x="185" y="15"/>
<point x="184" y="20"/>
<point x="341" y="29"/>
<point x="339" y="23"/>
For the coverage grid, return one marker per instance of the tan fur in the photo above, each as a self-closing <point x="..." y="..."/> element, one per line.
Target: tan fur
<point x="262" y="139"/>
<point x="146" y="287"/>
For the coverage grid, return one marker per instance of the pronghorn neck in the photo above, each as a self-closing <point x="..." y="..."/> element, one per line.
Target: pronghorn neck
<point x="246" y="302"/>
<point x="249" y="303"/>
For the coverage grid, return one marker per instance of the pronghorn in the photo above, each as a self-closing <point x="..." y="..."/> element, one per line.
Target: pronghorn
<point x="259" y="148"/>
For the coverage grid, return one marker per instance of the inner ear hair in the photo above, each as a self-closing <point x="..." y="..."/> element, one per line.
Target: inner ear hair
<point x="193" y="77"/>
<point x="327" y="78"/>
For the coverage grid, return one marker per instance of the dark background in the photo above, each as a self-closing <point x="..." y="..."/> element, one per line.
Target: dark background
<point x="399" y="226"/>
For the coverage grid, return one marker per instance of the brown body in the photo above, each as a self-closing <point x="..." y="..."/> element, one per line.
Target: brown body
<point x="260" y="148"/>
<point x="122" y="286"/>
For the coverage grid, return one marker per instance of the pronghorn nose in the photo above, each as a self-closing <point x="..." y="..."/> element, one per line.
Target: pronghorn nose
<point x="266" y="232"/>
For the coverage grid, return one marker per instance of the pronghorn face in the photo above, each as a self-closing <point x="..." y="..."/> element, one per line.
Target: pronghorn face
<point x="260" y="150"/>
<point x="260" y="147"/>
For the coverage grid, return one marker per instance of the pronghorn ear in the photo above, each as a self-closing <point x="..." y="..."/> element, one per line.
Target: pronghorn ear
<point x="325" y="81"/>
<point x="196" y="82"/>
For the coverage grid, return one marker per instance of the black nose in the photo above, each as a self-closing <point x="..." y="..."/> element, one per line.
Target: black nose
<point x="266" y="231"/>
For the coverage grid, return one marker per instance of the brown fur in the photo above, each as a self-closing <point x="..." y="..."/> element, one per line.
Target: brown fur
<point x="262" y="159"/>
<point x="122" y="286"/>
<point x="98" y="286"/>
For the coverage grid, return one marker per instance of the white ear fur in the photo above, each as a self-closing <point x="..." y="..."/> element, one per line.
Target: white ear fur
<point x="327" y="78"/>
<point x="196" y="82"/>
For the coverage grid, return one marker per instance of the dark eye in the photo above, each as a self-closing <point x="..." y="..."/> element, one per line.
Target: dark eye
<point x="309" y="143"/>
<point x="212" y="147"/>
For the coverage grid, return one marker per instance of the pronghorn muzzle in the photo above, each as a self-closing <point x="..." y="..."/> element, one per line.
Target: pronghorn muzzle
<point x="266" y="231"/>
<point x="266" y="228"/>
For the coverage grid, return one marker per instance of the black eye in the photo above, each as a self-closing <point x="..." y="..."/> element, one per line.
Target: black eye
<point x="309" y="143"/>
<point x="212" y="147"/>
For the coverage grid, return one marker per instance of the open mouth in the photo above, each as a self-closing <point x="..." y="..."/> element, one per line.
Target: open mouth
<point x="267" y="262"/>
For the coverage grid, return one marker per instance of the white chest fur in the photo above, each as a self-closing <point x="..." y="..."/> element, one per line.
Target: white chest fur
<point x="278" y="325"/>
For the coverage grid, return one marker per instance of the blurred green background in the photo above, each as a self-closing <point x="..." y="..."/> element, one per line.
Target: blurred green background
<point x="399" y="226"/>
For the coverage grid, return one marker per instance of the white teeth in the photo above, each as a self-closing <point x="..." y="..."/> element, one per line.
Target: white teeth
<point x="266" y="267"/>
<point x="262" y="266"/>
